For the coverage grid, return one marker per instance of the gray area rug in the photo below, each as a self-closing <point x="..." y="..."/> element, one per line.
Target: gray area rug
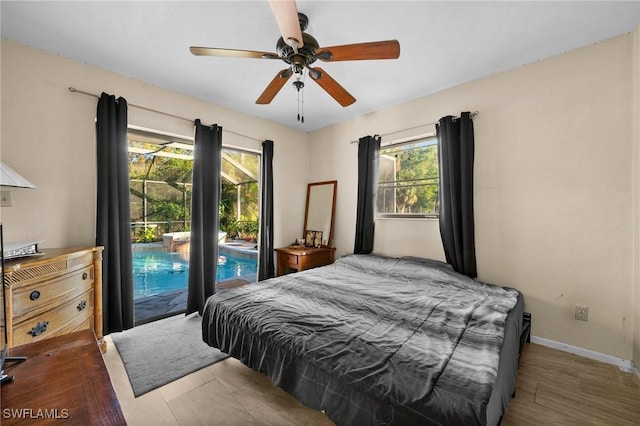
<point x="160" y="352"/>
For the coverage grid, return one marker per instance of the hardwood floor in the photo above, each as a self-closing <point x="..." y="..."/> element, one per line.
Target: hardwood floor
<point x="559" y="388"/>
<point x="554" y="388"/>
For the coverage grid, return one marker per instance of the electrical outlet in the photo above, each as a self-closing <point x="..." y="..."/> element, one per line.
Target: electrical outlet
<point x="5" y="198"/>
<point x="582" y="313"/>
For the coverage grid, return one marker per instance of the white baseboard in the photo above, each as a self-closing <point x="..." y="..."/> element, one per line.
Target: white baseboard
<point x="623" y="364"/>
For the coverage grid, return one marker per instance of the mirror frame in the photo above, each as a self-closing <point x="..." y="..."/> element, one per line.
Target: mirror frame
<point x="333" y="208"/>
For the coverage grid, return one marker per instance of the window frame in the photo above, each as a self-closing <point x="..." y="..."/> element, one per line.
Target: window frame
<point x="407" y="141"/>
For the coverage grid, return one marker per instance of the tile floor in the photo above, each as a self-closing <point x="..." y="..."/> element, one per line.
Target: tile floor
<point x="225" y="393"/>
<point x="554" y="388"/>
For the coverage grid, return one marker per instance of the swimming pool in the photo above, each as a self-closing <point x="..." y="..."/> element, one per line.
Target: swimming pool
<point x="158" y="272"/>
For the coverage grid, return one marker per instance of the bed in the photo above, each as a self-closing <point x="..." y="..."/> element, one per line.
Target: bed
<point x="374" y="340"/>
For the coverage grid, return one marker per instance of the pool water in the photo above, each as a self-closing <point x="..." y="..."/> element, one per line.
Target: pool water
<point x="158" y="272"/>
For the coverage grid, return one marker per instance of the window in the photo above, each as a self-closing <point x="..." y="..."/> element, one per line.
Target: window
<point x="408" y="179"/>
<point x="160" y="169"/>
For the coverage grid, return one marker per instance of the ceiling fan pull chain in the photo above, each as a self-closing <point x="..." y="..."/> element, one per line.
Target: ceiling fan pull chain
<point x="298" y="104"/>
<point x="302" y="107"/>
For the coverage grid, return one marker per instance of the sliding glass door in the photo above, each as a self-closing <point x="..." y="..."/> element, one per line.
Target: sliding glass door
<point x="160" y="168"/>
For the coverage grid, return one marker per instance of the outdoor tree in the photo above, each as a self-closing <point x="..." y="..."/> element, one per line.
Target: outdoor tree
<point x="416" y="166"/>
<point x="161" y="189"/>
<point x="414" y="169"/>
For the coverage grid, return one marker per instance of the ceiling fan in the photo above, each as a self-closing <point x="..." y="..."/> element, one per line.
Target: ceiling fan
<point x="300" y="50"/>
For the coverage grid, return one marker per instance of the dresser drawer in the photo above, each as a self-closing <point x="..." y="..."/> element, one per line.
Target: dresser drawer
<point x="291" y="259"/>
<point x="26" y="271"/>
<point x="61" y="320"/>
<point x="36" y="298"/>
<point x="317" y="259"/>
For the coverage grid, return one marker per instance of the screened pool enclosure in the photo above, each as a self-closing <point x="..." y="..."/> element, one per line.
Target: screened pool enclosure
<point x="160" y="172"/>
<point x="160" y="169"/>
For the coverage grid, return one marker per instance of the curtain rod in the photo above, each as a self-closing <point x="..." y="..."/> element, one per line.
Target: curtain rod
<point x="473" y="114"/>
<point x="74" y="90"/>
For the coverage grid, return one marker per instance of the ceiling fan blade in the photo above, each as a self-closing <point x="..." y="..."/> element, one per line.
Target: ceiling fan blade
<point x="232" y="53"/>
<point x="388" y="49"/>
<point x="274" y="87"/>
<point x="331" y="86"/>
<point x="286" y="14"/>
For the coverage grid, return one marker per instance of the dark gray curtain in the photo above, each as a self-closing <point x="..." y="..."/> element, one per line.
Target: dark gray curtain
<point x="266" y="264"/>
<point x="368" y="158"/>
<point x="113" y="217"/>
<point x="205" y="215"/>
<point x="455" y="160"/>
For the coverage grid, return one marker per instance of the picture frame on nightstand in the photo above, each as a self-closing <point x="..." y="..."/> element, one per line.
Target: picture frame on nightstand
<point x="313" y="238"/>
<point x="309" y="238"/>
<point x="317" y="240"/>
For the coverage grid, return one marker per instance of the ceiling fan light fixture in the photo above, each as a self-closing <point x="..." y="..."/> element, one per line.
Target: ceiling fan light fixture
<point x="300" y="50"/>
<point x="298" y="84"/>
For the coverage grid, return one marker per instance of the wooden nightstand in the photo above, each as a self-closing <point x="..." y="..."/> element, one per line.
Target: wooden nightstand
<point x="299" y="258"/>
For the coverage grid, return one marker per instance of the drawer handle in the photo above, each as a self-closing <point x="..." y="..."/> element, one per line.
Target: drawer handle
<point x="35" y="295"/>
<point x="85" y="276"/>
<point x="82" y="305"/>
<point x="40" y="328"/>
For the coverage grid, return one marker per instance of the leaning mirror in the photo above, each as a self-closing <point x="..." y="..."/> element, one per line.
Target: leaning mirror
<point x="320" y="213"/>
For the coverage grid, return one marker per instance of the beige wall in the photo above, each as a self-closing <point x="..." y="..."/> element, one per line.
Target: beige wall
<point x="555" y="174"/>
<point x="48" y="136"/>
<point x="553" y="188"/>
<point x="636" y="215"/>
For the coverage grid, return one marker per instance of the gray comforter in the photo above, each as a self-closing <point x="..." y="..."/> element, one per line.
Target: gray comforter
<point x="395" y="340"/>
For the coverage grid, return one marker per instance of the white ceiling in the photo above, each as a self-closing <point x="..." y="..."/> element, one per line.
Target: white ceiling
<point x="443" y="44"/>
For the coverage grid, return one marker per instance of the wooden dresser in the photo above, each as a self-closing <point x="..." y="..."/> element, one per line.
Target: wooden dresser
<point x="299" y="258"/>
<point x="54" y="294"/>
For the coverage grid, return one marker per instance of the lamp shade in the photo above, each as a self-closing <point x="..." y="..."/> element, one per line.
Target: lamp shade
<point x="9" y="177"/>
